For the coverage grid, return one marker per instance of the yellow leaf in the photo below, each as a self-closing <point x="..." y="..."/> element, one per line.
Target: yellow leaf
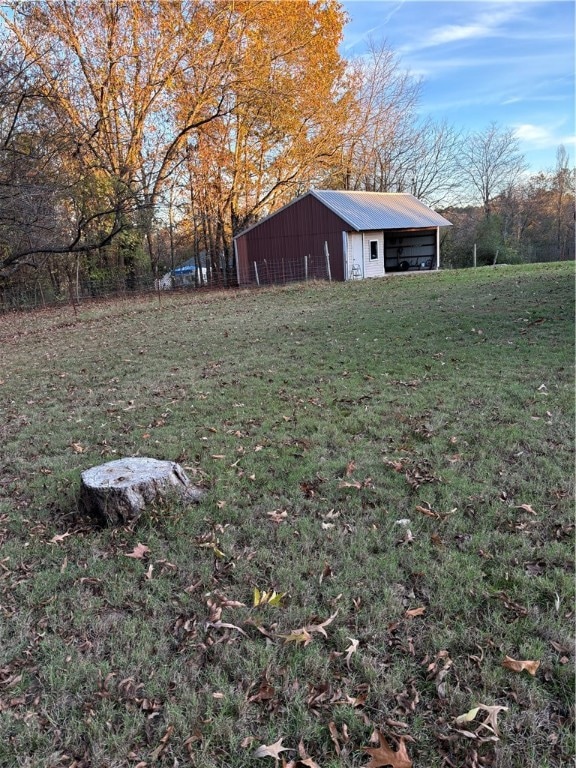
<point x="468" y="716"/>
<point x="275" y="598"/>
<point x="268" y="598"/>
<point x="521" y="666"/>
<point x="298" y="636"/>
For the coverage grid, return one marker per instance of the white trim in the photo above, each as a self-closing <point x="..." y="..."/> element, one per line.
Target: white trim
<point x="345" y="253"/>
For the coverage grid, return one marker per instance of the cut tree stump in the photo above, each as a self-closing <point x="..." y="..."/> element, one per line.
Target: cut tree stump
<point x="117" y="492"/>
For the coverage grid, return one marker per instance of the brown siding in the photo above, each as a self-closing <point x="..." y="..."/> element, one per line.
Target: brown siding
<point x="279" y="244"/>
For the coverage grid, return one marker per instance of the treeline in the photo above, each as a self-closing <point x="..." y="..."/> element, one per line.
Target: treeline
<point x="134" y="136"/>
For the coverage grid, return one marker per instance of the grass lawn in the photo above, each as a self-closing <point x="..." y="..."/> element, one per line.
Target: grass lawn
<point x="393" y="457"/>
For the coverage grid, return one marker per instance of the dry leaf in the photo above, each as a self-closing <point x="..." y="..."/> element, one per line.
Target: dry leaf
<point x="305" y="758"/>
<point x="334" y="735"/>
<point x="521" y="666"/>
<point x="526" y="508"/>
<point x="415" y="612"/>
<point x="225" y="625"/>
<point x="59" y="537"/>
<point x="320" y="627"/>
<point x="77" y="448"/>
<point x="326" y="571"/>
<point x="271" y="750"/>
<point x="352" y="648"/>
<point x="427" y="511"/>
<point x="138" y="552"/>
<point x="491" y="720"/>
<point x="298" y="636"/>
<point x="384" y="755"/>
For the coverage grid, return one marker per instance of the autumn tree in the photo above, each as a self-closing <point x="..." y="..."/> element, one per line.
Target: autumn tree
<point x="108" y="71"/>
<point x="286" y="118"/>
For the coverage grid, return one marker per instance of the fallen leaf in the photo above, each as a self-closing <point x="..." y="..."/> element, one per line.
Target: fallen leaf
<point x="384" y="755"/>
<point x="162" y="746"/>
<point x="214" y="547"/>
<point x="415" y="612"/>
<point x="138" y="552"/>
<point x="427" y="511"/>
<point x="267" y="598"/>
<point x="77" y="448"/>
<point x="305" y="758"/>
<point x="521" y="666"/>
<point x="526" y="508"/>
<point x="326" y="571"/>
<point x="491" y="720"/>
<point x="225" y="625"/>
<point x="298" y="636"/>
<point x="59" y="537"/>
<point x="320" y="627"/>
<point x="335" y="736"/>
<point x="271" y="750"/>
<point x="352" y="648"/>
<point x="467" y="717"/>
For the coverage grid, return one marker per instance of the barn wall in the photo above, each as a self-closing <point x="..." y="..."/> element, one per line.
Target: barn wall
<point x="279" y="244"/>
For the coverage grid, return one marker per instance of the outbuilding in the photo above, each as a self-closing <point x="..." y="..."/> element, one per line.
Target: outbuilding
<point x="342" y="235"/>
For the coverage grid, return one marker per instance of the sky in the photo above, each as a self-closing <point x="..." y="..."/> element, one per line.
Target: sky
<point x="508" y="61"/>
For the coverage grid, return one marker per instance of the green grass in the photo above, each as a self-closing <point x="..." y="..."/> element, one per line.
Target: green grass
<point x="316" y="417"/>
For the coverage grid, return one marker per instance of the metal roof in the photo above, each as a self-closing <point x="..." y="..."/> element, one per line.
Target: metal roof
<point x="380" y="210"/>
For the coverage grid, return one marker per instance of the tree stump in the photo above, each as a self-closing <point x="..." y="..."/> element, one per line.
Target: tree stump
<point x="117" y="492"/>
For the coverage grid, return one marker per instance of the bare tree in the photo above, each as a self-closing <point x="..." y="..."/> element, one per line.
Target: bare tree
<point x="432" y="167"/>
<point x="380" y="130"/>
<point x="490" y="162"/>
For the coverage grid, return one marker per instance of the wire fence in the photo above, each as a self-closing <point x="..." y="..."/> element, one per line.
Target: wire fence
<point x="286" y="270"/>
<point x="42" y="293"/>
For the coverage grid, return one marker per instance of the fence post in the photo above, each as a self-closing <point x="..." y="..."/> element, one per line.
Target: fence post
<point x="474" y="256"/>
<point x="306" y="268"/>
<point x="256" y="273"/>
<point x="327" y="261"/>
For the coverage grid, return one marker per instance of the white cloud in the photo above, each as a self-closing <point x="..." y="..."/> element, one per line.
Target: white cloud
<point x="543" y="136"/>
<point x="487" y="23"/>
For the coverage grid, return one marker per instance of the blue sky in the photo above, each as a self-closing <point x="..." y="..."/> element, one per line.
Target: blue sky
<point x="509" y="62"/>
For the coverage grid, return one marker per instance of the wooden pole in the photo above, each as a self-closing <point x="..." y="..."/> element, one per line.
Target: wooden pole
<point x="327" y="255"/>
<point x="256" y="273"/>
<point x="474" y="257"/>
<point x="306" y="268"/>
